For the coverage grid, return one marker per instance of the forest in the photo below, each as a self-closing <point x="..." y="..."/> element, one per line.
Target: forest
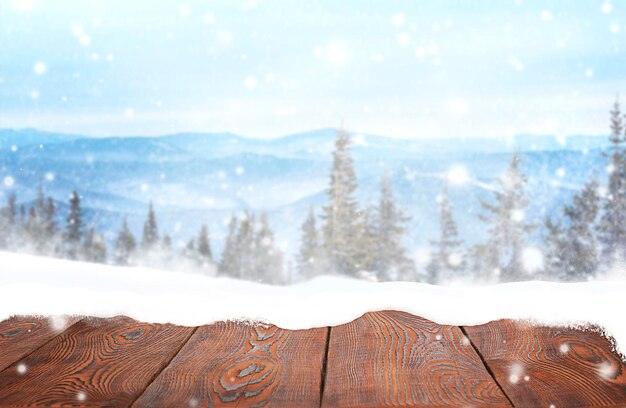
<point x="586" y="238"/>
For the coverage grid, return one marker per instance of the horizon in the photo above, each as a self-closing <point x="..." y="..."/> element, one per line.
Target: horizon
<point x="352" y="133"/>
<point x="452" y="69"/>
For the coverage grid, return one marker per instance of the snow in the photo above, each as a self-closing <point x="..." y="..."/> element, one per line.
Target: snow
<point x="31" y="285"/>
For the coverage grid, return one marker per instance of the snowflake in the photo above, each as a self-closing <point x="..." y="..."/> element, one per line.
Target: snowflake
<point x="239" y="170"/>
<point x="532" y="259"/>
<point x="208" y="18"/>
<point x="517" y="215"/>
<point x="457" y="174"/>
<point x="9" y="181"/>
<point x="40" y="68"/>
<point x="21" y="368"/>
<point x="337" y="53"/>
<point x="250" y="82"/>
<point x="607" y="7"/>
<point x="58" y="323"/>
<point x="398" y="20"/>
<point x="84" y="40"/>
<point x="403" y="38"/>
<point x="564" y="348"/>
<point x="455" y="259"/>
<point x="81" y="396"/>
<point x="546" y="15"/>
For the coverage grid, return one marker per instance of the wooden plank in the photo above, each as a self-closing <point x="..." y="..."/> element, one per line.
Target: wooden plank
<point x="236" y="364"/>
<point x="394" y="358"/>
<point x="20" y="335"/>
<point x="545" y="366"/>
<point x="95" y="362"/>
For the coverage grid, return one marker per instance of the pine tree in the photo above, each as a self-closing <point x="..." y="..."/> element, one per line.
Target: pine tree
<point x="166" y="250"/>
<point x="343" y="225"/>
<point x="507" y="229"/>
<point x="309" y="258"/>
<point x="555" y="266"/>
<point x="205" y="255"/>
<point x="74" y="229"/>
<point x="94" y="247"/>
<point x="580" y="255"/>
<point x="446" y="258"/>
<point x="612" y="228"/>
<point x="125" y="246"/>
<point x="228" y="263"/>
<point x="8" y="223"/>
<point x="390" y="260"/>
<point x="267" y="260"/>
<point x="243" y="266"/>
<point x="150" y="231"/>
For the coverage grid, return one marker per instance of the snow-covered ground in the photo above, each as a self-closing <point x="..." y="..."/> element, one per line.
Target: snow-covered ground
<point x="53" y="287"/>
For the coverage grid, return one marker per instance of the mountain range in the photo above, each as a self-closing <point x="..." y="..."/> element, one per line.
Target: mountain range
<point x="195" y="178"/>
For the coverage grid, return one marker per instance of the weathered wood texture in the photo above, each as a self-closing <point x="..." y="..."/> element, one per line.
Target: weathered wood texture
<point x="96" y="362"/>
<point x="234" y="364"/>
<point x="21" y="335"/>
<point x="546" y="366"/>
<point x="396" y="359"/>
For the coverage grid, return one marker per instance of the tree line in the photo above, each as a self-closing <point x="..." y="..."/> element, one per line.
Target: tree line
<point x="586" y="237"/>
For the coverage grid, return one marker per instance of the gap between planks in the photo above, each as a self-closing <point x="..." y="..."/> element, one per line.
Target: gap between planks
<point x="158" y="372"/>
<point x="325" y="365"/>
<point x="482" y="359"/>
<point x="34" y="350"/>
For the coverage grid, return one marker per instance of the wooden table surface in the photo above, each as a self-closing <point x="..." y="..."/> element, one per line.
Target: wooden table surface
<point x="384" y="358"/>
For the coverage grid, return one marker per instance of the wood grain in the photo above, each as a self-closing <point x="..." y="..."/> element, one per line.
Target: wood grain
<point x="235" y="364"/>
<point x="543" y="366"/>
<point x="396" y="359"/>
<point x="20" y="335"/>
<point x="96" y="362"/>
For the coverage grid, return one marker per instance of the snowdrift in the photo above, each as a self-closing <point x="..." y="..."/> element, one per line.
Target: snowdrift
<point x="31" y="285"/>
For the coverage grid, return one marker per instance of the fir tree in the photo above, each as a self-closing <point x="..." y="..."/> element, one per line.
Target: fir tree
<point x="125" y="246"/>
<point x="150" y="230"/>
<point x="309" y="258"/>
<point x="230" y="252"/>
<point x="555" y="267"/>
<point x="507" y="229"/>
<point x="612" y="227"/>
<point x="446" y="258"/>
<point x="8" y="223"/>
<point x="94" y="247"/>
<point x="205" y="255"/>
<point x="243" y="265"/>
<point x="343" y="224"/>
<point x="580" y="256"/>
<point x="166" y="249"/>
<point x="74" y="228"/>
<point x="267" y="260"/>
<point x="390" y="260"/>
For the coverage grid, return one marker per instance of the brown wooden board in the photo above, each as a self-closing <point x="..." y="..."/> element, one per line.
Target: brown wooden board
<point x="544" y="366"/>
<point x="235" y="364"/>
<point x="96" y="362"/>
<point x="396" y="359"/>
<point x="20" y="335"/>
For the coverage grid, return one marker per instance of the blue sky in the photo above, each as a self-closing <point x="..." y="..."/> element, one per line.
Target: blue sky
<point x="446" y="68"/>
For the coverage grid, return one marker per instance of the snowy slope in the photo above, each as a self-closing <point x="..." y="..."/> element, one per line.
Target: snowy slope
<point x="36" y="285"/>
